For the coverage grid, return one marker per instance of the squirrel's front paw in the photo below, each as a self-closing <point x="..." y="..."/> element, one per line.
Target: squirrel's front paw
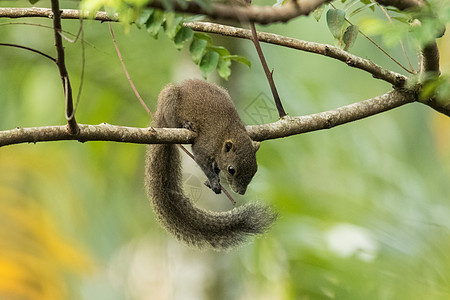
<point x="215" y="187"/>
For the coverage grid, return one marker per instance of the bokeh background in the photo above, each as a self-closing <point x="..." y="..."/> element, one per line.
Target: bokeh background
<point x="364" y="208"/>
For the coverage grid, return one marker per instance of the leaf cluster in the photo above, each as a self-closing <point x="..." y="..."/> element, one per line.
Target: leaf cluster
<point x="344" y="32"/>
<point x="204" y="53"/>
<point x="420" y="26"/>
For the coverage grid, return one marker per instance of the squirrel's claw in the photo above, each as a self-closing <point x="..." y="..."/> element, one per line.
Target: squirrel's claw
<point x="216" y="187"/>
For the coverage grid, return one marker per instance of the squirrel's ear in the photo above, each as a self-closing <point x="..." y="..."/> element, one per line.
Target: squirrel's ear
<point x="256" y="145"/>
<point x="227" y="146"/>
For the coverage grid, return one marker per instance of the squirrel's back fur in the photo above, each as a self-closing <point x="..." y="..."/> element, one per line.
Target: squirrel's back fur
<point x="175" y="211"/>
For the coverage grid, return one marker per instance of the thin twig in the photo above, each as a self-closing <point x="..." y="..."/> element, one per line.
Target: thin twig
<point x="126" y="72"/>
<point x="221" y="186"/>
<point x="29" y="49"/>
<point x="60" y="62"/>
<point x="401" y="42"/>
<point x="50" y="27"/>
<point x="83" y="64"/>
<point x="268" y="73"/>
<point x="376" y="45"/>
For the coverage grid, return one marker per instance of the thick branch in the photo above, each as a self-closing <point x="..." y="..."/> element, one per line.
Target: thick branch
<point x="328" y="119"/>
<point x="285" y="127"/>
<point x="102" y="132"/>
<point x="430" y="58"/>
<point x="402" y="4"/>
<point x="256" y="14"/>
<point x="38" y="12"/>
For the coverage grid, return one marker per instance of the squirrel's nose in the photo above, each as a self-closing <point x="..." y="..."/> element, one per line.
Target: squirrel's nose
<point x="240" y="191"/>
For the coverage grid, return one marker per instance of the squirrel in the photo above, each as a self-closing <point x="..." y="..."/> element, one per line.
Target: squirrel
<point x="222" y="144"/>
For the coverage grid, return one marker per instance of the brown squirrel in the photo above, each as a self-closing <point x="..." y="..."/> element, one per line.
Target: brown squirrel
<point x="222" y="144"/>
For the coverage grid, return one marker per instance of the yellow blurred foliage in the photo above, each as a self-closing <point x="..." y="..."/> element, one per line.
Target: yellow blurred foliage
<point x="36" y="258"/>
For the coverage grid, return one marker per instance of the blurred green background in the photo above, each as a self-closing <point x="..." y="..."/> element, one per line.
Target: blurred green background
<point x="364" y="208"/>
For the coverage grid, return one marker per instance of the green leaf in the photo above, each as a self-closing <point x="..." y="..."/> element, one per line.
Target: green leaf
<point x="402" y="19"/>
<point x="203" y="36"/>
<point x="221" y="50"/>
<point x="172" y="24"/>
<point x="360" y="9"/>
<point x="393" y="9"/>
<point x="317" y="13"/>
<point x="223" y="67"/>
<point x="143" y="17"/>
<point x="241" y="59"/>
<point x="183" y="35"/>
<point x="209" y="62"/>
<point x="428" y="90"/>
<point x="194" y="18"/>
<point x="197" y="48"/>
<point x="349" y="37"/>
<point x="335" y="21"/>
<point x="154" y="23"/>
<point x="110" y="11"/>
<point x="33" y="1"/>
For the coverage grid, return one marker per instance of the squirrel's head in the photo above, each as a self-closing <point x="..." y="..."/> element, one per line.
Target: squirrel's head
<point x="238" y="162"/>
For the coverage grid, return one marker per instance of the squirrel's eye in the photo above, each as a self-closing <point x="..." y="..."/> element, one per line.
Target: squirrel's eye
<point x="231" y="170"/>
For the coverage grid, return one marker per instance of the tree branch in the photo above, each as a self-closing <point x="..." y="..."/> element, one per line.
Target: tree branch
<point x="430" y="59"/>
<point x="328" y="119"/>
<point x="286" y="126"/>
<point x="102" y="132"/>
<point x="402" y="4"/>
<point x="429" y="68"/>
<point x="29" y="49"/>
<point x="39" y="12"/>
<point x="351" y="60"/>
<point x="60" y="62"/>
<point x="255" y="14"/>
<point x="269" y="74"/>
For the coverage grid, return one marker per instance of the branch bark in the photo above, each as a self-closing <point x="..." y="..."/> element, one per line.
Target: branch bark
<point x="328" y="119"/>
<point x="39" y="12"/>
<point x="255" y="14"/>
<point x="402" y="4"/>
<point x="60" y="62"/>
<point x="286" y="126"/>
<point x="102" y="132"/>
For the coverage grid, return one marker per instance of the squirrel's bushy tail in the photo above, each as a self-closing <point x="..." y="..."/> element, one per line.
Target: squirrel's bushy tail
<point x="192" y="225"/>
